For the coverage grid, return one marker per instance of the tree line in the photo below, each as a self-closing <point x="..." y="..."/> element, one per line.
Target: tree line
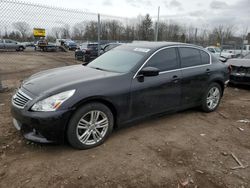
<point x="142" y="29"/>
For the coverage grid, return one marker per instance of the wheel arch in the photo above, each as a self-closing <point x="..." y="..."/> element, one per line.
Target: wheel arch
<point x="220" y="82"/>
<point x="101" y="100"/>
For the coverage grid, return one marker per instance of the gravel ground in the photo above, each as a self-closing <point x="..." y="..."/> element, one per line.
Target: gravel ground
<point x="185" y="149"/>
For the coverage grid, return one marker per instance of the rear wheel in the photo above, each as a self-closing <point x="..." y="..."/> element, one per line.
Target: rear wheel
<point x="211" y="98"/>
<point x="90" y="126"/>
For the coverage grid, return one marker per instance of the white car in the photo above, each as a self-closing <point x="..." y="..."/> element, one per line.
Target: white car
<point x="218" y="53"/>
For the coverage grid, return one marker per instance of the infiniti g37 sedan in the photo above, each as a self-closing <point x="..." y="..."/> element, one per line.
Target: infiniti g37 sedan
<point x="83" y="104"/>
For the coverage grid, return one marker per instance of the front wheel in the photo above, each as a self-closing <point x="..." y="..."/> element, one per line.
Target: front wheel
<point x="90" y="126"/>
<point x="211" y="98"/>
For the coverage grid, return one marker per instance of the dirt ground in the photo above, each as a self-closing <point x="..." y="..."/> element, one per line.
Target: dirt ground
<point x="185" y="149"/>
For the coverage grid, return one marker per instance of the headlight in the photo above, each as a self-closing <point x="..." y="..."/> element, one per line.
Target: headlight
<point x="52" y="103"/>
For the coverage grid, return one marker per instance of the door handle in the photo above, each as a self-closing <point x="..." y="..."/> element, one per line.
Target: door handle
<point x="175" y="79"/>
<point x="208" y="71"/>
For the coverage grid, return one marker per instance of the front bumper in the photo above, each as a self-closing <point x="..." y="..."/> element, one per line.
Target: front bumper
<point x="240" y="79"/>
<point x="42" y="127"/>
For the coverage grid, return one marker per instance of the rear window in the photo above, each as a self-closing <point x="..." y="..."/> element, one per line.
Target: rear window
<point x="190" y="57"/>
<point x="205" y="58"/>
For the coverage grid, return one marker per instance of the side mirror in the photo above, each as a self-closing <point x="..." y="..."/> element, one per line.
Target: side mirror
<point x="149" y="71"/>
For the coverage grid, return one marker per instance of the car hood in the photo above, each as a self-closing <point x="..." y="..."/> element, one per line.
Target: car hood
<point x="239" y="62"/>
<point x="63" y="78"/>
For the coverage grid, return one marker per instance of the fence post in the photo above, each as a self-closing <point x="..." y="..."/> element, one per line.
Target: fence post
<point x="195" y="35"/>
<point x="99" y="32"/>
<point x="221" y="44"/>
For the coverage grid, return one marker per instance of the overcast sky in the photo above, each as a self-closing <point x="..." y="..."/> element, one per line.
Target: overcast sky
<point x="209" y="12"/>
<point x="201" y="14"/>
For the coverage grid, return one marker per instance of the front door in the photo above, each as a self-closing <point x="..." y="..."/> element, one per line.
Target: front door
<point x="156" y="94"/>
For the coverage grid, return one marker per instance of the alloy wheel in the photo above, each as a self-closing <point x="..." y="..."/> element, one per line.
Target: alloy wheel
<point x="213" y="98"/>
<point x="92" y="127"/>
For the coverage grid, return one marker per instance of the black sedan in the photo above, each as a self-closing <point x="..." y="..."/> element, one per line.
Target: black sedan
<point x="83" y="104"/>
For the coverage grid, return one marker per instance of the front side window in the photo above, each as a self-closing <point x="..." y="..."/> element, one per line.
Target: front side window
<point x="190" y="57"/>
<point x="164" y="60"/>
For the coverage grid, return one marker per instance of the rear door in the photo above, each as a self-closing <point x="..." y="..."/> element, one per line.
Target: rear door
<point x="195" y="65"/>
<point x="156" y="94"/>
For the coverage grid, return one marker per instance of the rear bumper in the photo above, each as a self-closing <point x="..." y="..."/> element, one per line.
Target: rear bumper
<point x="42" y="127"/>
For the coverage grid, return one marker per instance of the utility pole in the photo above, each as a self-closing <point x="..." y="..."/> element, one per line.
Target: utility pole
<point x="242" y="46"/>
<point x="157" y="25"/>
<point x="99" y="33"/>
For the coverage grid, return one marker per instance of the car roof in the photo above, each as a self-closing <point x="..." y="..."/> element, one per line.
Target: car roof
<point x="157" y="45"/>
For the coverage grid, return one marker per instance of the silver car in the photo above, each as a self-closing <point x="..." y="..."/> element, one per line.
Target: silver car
<point x="11" y="44"/>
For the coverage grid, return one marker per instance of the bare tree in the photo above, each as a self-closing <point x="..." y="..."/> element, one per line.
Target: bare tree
<point x="223" y="33"/>
<point x="65" y="31"/>
<point x="23" y="28"/>
<point x="56" y="32"/>
<point x="78" y="30"/>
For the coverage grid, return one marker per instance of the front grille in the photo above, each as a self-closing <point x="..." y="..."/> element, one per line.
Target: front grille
<point x="20" y="99"/>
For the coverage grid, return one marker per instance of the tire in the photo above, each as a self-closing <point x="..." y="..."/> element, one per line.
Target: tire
<point x="211" y="98"/>
<point x="82" y="134"/>
<point x="20" y="48"/>
<point x="83" y="58"/>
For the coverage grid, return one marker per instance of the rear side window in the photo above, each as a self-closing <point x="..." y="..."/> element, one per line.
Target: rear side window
<point x="164" y="60"/>
<point x="205" y="58"/>
<point x="190" y="57"/>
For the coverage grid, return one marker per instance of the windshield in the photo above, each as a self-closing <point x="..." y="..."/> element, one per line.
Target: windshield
<point x="217" y="49"/>
<point x="117" y="61"/>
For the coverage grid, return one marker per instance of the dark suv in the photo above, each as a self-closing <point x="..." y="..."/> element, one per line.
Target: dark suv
<point x="84" y="103"/>
<point x="87" y="52"/>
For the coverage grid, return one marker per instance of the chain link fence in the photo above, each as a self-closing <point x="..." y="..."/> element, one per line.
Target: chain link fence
<point x="19" y="19"/>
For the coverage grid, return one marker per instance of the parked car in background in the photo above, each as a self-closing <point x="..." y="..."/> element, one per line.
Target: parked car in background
<point x="108" y="47"/>
<point x="84" y="103"/>
<point x="238" y="51"/>
<point x="28" y="44"/>
<point x="71" y="45"/>
<point x="240" y="70"/>
<point x="11" y="44"/>
<point x="218" y="53"/>
<point x="87" y="52"/>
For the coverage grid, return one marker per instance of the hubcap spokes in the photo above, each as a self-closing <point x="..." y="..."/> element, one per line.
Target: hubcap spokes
<point x="92" y="127"/>
<point x="213" y="97"/>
